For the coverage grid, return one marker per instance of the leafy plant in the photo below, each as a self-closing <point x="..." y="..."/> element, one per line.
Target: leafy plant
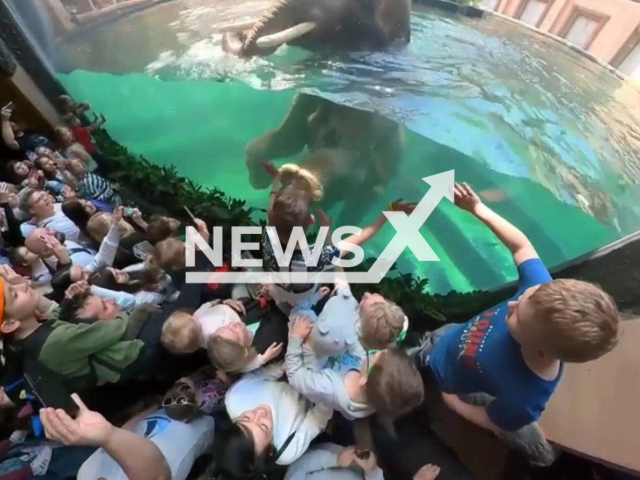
<point x="163" y="187"/>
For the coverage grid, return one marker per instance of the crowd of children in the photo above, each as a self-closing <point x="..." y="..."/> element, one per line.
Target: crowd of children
<point x="114" y="367"/>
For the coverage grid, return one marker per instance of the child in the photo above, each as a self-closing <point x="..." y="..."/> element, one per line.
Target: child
<point x="346" y="326"/>
<point x="37" y="270"/>
<point x="289" y="208"/>
<point x="90" y="185"/>
<point x="386" y="381"/>
<point x="515" y="350"/>
<point x="67" y="105"/>
<point x="218" y="328"/>
<point x="83" y="134"/>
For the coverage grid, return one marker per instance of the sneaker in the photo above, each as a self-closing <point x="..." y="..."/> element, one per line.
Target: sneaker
<point x="18" y="436"/>
<point x="40" y="464"/>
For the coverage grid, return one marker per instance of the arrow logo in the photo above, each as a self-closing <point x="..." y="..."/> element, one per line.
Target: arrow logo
<point x="408" y="226"/>
<point x="407" y="235"/>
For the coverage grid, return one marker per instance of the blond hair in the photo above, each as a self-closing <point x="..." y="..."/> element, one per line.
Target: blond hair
<point x="229" y="356"/>
<point x="302" y="179"/>
<point x="168" y="254"/>
<point x="394" y="386"/>
<point x="381" y="324"/>
<point x="180" y="333"/>
<point x="100" y="222"/>
<point x="578" y="320"/>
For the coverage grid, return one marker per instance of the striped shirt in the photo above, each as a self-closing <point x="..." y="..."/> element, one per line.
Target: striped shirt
<point x="95" y="187"/>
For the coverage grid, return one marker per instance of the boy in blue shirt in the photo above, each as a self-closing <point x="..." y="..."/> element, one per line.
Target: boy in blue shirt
<point x="514" y="352"/>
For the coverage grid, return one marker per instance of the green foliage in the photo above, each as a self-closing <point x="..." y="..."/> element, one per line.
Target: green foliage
<point x="161" y="186"/>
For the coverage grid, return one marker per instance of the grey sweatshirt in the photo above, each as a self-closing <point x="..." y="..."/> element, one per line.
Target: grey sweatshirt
<point x="323" y="386"/>
<point x="321" y="463"/>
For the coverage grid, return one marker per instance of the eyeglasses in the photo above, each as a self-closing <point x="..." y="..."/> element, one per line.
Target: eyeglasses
<point x="40" y="198"/>
<point x="182" y="394"/>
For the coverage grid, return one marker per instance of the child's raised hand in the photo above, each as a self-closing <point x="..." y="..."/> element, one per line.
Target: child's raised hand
<point x="427" y="472"/>
<point x="368" y="463"/>
<point x="301" y="327"/>
<point x="4" y="193"/>
<point x="270" y="168"/>
<point x="76" y="289"/>
<point x="117" y="215"/>
<point x="465" y="198"/>
<point x="237" y="305"/>
<point x="202" y="229"/>
<point x="6" y="112"/>
<point x="323" y="218"/>
<point x="272" y="352"/>
<point x="399" y="205"/>
<point x="346" y="457"/>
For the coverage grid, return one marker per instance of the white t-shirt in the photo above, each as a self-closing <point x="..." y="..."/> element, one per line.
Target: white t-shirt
<point x="180" y="443"/>
<point x="210" y="318"/>
<point x="58" y="222"/>
<point x="292" y="413"/>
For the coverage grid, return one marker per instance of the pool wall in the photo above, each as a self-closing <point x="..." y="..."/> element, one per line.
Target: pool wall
<point x="404" y="289"/>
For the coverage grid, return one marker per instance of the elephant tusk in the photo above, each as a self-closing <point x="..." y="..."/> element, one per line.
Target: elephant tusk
<point x="277" y="39"/>
<point x="237" y="27"/>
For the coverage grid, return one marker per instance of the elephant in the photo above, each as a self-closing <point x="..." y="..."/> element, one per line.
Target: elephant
<point x="353" y="153"/>
<point x="322" y="25"/>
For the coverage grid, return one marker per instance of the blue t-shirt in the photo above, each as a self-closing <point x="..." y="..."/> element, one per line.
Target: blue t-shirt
<point x="482" y="356"/>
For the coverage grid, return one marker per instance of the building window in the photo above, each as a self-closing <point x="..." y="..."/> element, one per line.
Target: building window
<point x="490" y="4"/>
<point x="582" y="27"/>
<point x="631" y="65"/>
<point x="533" y="11"/>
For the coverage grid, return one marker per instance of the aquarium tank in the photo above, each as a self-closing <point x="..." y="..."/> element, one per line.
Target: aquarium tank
<point x="547" y="137"/>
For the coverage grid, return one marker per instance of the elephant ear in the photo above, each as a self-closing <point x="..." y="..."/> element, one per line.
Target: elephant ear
<point x="279" y="25"/>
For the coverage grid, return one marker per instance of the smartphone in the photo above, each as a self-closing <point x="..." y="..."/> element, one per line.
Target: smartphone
<point x="191" y="215"/>
<point x="50" y="393"/>
<point x="10" y="106"/>
<point x="128" y="211"/>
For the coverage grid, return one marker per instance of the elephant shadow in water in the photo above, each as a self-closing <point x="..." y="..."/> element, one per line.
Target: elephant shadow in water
<point x="353" y="153"/>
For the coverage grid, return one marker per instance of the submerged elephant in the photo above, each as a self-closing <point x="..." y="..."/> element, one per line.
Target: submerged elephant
<point x="353" y="153"/>
<point x="323" y="24"/>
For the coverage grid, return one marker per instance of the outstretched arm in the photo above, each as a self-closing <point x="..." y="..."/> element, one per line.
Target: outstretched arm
<point x="516" y="241"/>
<point x="97" y="124"/>
<point x="7" y="132"/>
<point x="138" y="457"/>
<point x="369" y="231"/>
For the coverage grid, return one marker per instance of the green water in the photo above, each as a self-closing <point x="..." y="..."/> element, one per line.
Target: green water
<point x="548" y="139"/>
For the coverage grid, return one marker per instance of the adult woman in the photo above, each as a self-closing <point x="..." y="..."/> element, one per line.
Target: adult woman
<point x="70" y="148"/>
<point x="17" y="171"/>
<point x="134" y="285"/>
<point x="93" y="218"/>
<point x="272" y="423"/>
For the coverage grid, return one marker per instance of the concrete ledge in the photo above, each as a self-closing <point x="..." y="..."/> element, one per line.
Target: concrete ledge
<point x="561" y="40"/>
<point x="475" y="12"/>
<point x="453" y="7"/>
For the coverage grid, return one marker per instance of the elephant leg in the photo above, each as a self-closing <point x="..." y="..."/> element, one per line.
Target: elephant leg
<point x="284" y="141"/>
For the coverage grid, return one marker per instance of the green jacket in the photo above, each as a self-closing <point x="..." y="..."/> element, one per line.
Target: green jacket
<point x="89" y="354"/>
